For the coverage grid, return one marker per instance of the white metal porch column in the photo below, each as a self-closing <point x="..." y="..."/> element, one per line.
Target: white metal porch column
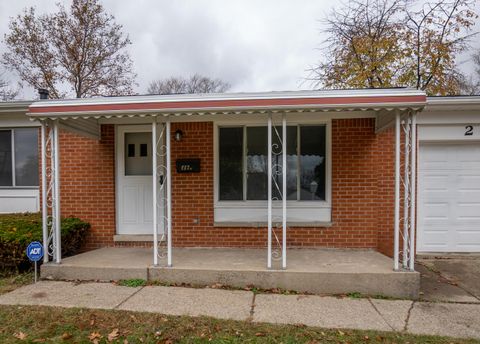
<point x="274" y="170"/>
<point x="405" y="186"/>
<point x="51" y="225"/>
<point x="162" y="190"/>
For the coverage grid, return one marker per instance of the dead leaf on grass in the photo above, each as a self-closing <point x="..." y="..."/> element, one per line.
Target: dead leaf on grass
<point x="95" y="337"/>
<point x="113" y="335"/>
<point x="20" y="335"/>
<point x="66" y="336"/>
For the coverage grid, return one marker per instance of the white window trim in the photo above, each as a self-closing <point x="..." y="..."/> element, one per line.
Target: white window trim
<point x="249" y="211"/>
<point x="14" y="181"/>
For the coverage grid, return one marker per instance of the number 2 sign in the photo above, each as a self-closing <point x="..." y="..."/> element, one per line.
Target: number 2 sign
<point x="469" y="130"/>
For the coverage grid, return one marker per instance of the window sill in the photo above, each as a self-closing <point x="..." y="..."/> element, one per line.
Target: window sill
<point x="132" y="237"/>
<point x="264" y="224"/>
<point x="247" y="212"/>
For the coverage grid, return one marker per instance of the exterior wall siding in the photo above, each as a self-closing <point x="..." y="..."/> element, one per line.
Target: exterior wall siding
<point x="362" y="190"/>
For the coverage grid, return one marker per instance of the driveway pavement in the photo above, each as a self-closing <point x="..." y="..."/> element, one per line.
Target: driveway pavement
<point x="450" y="278"/>
<point x="323" y="311"/>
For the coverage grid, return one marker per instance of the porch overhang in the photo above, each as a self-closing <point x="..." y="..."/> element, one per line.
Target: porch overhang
<point x="377" y="100"/>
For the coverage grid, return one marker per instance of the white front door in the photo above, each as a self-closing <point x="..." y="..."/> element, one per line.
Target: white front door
<point x="134" y="180"/>
<point x="449" y="197"/>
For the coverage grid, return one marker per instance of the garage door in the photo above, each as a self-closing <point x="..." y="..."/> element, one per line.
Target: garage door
<point x="449" y="198"/>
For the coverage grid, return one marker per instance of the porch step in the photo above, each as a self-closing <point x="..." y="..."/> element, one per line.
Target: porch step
<point x="315" y="271"/>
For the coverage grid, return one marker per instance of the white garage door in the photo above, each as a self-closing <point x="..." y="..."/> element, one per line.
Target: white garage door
<point x="449" y="198"/>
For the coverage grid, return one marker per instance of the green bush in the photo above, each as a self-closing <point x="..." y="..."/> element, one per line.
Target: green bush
<point x="18" y="230"/>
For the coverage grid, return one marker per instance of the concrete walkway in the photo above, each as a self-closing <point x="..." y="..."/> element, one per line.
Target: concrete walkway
<point x="463" y="319"/>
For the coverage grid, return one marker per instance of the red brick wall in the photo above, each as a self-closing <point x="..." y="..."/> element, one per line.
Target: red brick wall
<point x="362" y="190"/>
<point x="356" y="181"/>
<point x="87" y="183"/>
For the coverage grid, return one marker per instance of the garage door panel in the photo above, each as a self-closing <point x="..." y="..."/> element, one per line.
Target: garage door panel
<point x="449" y="198"/>
<point x="435" y="182"/>
<point x="468" y="182"/>
<point x="468" y="211"/>
<point x="436" y="211"/>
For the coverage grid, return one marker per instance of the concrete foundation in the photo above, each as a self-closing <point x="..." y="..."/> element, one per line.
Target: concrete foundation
<point x="318" y="271"/>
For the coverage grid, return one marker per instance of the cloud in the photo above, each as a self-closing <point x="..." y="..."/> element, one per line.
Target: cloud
<point x="254" y="45"/>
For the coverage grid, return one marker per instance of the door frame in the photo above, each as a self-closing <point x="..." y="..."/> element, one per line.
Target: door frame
<point x="121" y="129"/>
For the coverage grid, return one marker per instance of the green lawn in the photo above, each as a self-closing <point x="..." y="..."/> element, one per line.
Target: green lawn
<point x="35" y="324"/>
<point x="10" y="281"/>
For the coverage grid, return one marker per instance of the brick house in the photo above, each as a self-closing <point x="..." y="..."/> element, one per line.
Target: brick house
<point x="209" y="165"/>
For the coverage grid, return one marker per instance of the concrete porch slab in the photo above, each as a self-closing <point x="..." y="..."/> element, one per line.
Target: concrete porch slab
<point x="318" y="271"/>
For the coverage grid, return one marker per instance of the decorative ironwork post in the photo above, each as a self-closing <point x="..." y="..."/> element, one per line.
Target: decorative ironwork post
<point x="160" y="180"/>
<point x="407" y="189"/>
<point x="51" y="191"/>
<point x="277" y="147"/>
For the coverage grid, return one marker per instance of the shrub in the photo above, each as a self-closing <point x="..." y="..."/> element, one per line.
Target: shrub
<point x="18" y="230"/>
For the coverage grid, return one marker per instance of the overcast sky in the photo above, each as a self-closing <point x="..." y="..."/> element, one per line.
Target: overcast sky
<point x="254" y="45"/>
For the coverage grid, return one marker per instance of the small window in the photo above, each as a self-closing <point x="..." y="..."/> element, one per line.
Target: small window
<point x="141" y="164"/>
<point x="143" y="149"/>
<point x="131" y="150"/>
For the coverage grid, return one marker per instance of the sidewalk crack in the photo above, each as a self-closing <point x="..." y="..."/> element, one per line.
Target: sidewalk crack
<point x="381" y="315"/>
<point x="129" y="297"/>
<point x="407" y="319"/>
<point x="252" y="308"/>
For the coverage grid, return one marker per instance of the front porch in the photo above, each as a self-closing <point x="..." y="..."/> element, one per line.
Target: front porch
<point x="317" y="271"/>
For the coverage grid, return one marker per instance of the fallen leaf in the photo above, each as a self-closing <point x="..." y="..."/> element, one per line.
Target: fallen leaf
<point x="94" y="337"/>
<point x="113" y="335"/>
<point x="260" y="334"/>
<point x="66" y="336"/>
<point x="20" y="335"/>
<point x="341" y="333"/>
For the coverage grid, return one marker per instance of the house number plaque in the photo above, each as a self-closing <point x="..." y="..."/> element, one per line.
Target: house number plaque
<point x="188" y="165"/>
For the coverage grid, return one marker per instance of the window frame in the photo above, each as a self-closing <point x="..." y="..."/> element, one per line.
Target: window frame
<point x="12" y="138"/>
<point x="230" y="204"/>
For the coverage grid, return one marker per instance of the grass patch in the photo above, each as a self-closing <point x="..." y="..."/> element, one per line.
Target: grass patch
<point x="9" y="282"/>
<point x="133" y="283"/>
<point x="355" y="295"/>
<point x="58" y="325"/>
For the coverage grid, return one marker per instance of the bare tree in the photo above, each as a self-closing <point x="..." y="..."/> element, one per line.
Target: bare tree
<point x="81" y="50"/>
<point x="194" y="84"/>
<point x="435" y="34"/>
<point x="6" y="91"/>
<point x="471" y="85"/>
<point x="390" y="43"/>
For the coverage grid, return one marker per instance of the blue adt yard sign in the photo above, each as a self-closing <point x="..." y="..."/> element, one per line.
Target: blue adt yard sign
<point x="35" y="251"/>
